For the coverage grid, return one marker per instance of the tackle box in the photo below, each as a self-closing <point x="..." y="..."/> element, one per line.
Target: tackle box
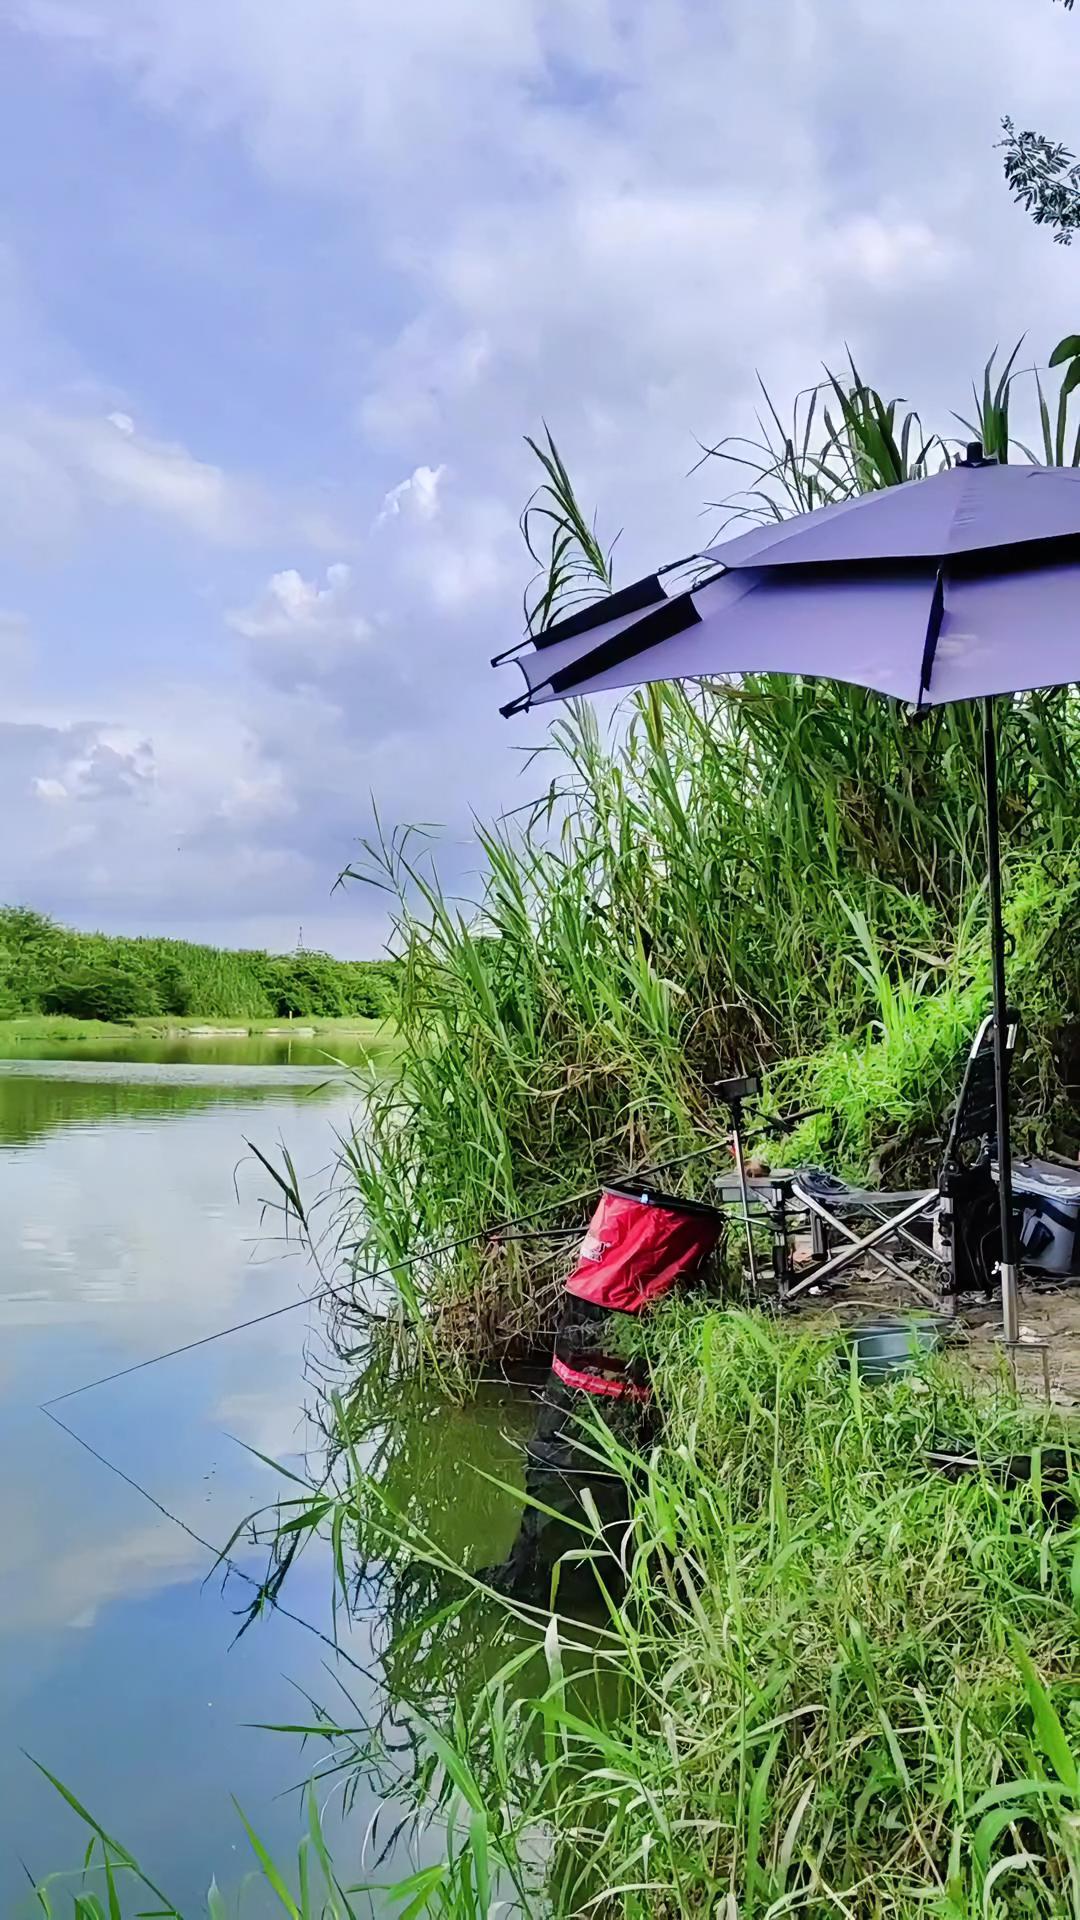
<point x="1047" y="1203"/>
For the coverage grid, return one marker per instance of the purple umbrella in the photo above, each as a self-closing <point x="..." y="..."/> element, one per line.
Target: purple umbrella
<point x="957" y="587"/>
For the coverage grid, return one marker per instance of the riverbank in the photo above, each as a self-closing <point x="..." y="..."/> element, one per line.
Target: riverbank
<point x="846" y="1679"/>
<point x="834" y="1680"/>
<point x="33" y="1028"/>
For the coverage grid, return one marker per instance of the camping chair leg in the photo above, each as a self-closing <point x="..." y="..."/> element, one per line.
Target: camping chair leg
<point x="870" y="1245"/>
<point x="925" y="1252"/>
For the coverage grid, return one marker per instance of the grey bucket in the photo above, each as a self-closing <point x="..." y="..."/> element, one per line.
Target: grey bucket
<point x="887" y="1347"/>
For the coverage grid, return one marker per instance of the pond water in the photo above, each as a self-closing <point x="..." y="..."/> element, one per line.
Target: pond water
<point x="305" y="1049"/>
<point x="131" y="1223"/>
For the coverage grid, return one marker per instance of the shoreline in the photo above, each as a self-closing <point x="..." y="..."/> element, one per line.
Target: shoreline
<point x="60" y="1027"/>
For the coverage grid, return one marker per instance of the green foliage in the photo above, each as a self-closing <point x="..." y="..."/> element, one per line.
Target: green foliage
<point x="95" y="990"/>
<point x="47" y="968"/>
<point x="840" y="1682"/>
<point x="771" y="873"/>
<point x="1044" y="177"/>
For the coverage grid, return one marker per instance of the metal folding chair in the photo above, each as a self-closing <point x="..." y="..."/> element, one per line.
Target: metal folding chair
<point x="920" y="1221"/>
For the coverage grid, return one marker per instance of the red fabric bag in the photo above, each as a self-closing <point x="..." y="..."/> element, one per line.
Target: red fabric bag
<point x="638" y="1245"/>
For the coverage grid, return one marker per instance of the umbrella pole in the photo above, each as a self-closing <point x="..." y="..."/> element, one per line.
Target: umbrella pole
<point x="1010" y="1298"/>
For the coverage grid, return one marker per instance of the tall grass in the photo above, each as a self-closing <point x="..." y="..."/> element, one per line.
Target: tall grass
<point x="837" y="1681"/>
<point x="775" y="873"/>
<point x="846" y="1683"/>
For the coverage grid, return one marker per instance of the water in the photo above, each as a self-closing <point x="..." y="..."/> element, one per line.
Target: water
<point x="122" y="1234"/>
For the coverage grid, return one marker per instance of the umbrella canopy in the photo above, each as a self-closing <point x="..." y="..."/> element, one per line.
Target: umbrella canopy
<point x="944" y="589"/>
<point x="960" y="586"/>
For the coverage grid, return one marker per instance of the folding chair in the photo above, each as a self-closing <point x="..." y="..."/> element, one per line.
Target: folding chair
<point x="924" y="1221"/>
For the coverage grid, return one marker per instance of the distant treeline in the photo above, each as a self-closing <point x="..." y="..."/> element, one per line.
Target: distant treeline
<point x="47" y="968"/>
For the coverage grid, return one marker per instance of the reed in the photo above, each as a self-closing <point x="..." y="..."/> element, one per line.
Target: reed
<point x="835" y="1683"/>
<point x="772" y="873"/>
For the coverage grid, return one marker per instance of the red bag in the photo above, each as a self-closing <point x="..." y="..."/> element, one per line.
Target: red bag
<point x="638" y="1245"/>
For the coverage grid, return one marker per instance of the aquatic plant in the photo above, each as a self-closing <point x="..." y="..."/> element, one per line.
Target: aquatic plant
<point x="830" y="1678"/>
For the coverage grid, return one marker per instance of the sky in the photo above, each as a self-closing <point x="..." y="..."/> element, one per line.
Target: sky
<point x="282" y="289"/>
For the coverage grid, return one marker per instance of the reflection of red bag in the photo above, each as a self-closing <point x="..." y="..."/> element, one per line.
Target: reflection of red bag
<point x="638" y="1245"/>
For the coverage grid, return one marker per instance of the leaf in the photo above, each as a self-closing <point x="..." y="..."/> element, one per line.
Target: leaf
<point x="271" y="1873"/>
<point x="110" y="1888"/>
<point x="478" y="1843"/>
<point x="452" y="1763"/>
<point x="553" y="1650"/>
<point x="86" y="1817"/>
<point x="791" y="1832"/>
<point x="755" y="1811"/>
<point x="1012" y="1863"/>
<point x="421" y="1886"/>
<point x="1066" y="349"/>
<point x="1051" y="1733"/>
<point x="988" y="1830"/>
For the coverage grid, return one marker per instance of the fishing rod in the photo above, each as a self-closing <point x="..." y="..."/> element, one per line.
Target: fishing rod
<point x="502" y="1231"/>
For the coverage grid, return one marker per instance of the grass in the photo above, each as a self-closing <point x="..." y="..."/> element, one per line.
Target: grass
<point x="846" y="1683"/>
<point x="770" y="874"/>
<point x="839" y="1683"/>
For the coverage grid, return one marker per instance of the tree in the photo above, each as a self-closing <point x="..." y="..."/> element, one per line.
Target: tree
<point x="96" y="990"/>
<point x="1044" y="177"/>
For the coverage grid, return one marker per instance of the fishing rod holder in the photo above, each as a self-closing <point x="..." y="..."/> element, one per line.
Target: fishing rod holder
<point x="733" y="1094"/>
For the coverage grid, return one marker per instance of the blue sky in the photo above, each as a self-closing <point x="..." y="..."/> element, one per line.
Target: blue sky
<point x="281" y="289"/>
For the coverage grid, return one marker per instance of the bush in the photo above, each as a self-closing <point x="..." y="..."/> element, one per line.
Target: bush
<point x="310" y="983"/>
<point x="102" y="993"/>
<point x="174" y="989"/>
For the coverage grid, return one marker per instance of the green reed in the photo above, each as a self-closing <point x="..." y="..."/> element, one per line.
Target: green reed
<point x="825" y="1678"/>
<point x="846" y="1684"/>
<point x="772" y="874"/>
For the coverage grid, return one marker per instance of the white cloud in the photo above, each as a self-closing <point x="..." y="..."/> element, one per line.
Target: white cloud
<point x="115" y="464"/>
<point x="303" y="630"/>
<point x="608" y="216"/>
<point x="418" y="495"/>
<point x="54" y="791"/>
<point x="57" y="468"/>
<point x="257" y="798"/>
<point x="895" y="254"/>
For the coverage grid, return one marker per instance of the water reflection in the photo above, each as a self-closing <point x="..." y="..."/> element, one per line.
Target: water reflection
<point x="210" y="1050"/>
<point x="121" y="1234"/>
<point x="34" y="1103"/>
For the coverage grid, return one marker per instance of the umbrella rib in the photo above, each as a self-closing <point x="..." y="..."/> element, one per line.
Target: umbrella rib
<point x="637" y="598"/>
<point x="933" y="630"/>
<point x="675" y="616"/>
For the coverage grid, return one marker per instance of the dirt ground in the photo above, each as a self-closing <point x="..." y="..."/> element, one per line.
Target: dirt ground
<point x="1047" y="1362"/>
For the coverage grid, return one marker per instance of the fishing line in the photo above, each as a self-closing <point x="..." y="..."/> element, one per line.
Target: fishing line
<point x="220" y="1559"/>
<point x="329" y="1289"/>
